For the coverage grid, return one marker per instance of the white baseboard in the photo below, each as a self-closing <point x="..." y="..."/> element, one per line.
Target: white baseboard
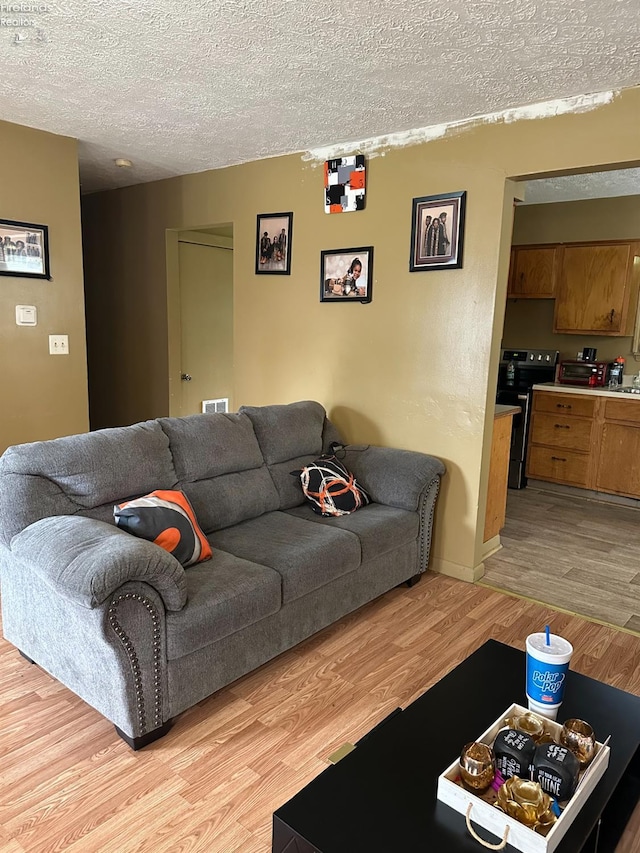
<point x="491" y="546"/>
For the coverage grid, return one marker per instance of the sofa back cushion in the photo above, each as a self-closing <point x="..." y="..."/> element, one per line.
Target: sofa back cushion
<point x="220" y="467"/>
<point x="290" y="436"/>
<point x="82" y="474"/>
<point x="289" y="431"/>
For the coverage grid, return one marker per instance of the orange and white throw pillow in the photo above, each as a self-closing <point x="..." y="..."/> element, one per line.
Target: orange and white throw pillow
<point x="167" y="519"/>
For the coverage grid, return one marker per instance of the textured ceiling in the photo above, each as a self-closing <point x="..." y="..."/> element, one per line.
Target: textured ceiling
<point x="575" y="187"/>
<point x="183" y="87"/>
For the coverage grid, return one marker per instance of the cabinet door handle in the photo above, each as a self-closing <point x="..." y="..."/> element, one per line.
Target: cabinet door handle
<point x="562" y="426"/>
<point x="558" y="459"/>
<point x="562" y="406"/>
<point x="612" y="314"/>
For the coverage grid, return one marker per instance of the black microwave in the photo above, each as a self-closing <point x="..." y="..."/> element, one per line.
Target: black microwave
<point x="591" y="373"/>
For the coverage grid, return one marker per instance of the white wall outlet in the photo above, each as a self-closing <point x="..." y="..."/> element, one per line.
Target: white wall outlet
<point x="58" y="344"/>
<point x="26" y="315"/>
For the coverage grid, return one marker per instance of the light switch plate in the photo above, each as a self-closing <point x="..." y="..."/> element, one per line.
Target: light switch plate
<point x="26" y="315"/>
<point x="58" y="344"/>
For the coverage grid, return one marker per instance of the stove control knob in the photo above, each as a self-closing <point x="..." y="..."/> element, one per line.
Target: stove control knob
<point x="539" y="356"/>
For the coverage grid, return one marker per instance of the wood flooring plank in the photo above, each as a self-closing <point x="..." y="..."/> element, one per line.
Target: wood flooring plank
<point x="40" y="831"/>
<point x="11" y="846"/>
<point x="633" y="623"/>
<point x="580" y="555"/>
<point x="213" y="782"/>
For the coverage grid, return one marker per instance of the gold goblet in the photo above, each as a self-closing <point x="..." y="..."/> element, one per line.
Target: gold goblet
<point x="579" y="737"/>
<point x="531" y="725"/>
<point x="526" y="802"/>
<point x="477" y="766"/>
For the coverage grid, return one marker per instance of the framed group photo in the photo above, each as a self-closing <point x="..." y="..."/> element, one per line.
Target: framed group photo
<point x="346" y="275"/>
<point x="273" y="243"/>
<point x="24" y="249"/>
<point x="437" y="232"/>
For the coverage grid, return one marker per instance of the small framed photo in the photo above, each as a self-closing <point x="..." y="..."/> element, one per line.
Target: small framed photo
<point x="24" y="249"/>
<point x="273" y="243"/>
<point x="437" y="232"/>
<point x="346" y="275"/>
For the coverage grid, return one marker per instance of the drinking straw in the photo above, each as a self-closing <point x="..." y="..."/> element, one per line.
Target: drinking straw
<point x="547" y="631"/>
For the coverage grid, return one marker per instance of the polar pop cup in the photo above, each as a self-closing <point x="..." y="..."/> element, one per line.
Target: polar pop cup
<point x="548" y="657"/>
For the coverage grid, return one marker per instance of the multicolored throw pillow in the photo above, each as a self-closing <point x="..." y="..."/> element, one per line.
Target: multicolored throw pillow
<point x="330" y="488"/>
<point x="167" y="519"/>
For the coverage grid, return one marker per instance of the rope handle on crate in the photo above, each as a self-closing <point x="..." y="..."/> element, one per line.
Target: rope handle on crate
<point x="484" y="843"/>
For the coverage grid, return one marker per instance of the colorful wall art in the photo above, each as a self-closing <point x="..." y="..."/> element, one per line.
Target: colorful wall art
<point x="344" y="184"/>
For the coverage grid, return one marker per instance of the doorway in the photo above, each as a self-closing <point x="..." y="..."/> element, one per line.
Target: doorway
<point x="556" y="544"/>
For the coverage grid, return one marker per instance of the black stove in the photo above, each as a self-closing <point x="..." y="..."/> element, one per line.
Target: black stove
<point x="519" y="371"/>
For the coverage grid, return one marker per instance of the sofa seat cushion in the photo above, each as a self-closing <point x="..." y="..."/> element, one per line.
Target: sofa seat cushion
<point x="307" y="556"/>
<point x="224" y="595"/>
<point x="379" y="528"/>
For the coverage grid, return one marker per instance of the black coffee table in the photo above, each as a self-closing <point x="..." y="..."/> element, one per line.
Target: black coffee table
<point x="381" y="798"/>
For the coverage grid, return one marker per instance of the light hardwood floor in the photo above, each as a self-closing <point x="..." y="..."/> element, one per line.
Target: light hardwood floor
<point x="68" y="784"/>
<point x="576" y="554"/>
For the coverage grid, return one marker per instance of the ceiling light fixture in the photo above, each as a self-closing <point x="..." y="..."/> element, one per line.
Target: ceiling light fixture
<point x="124" y="164"/>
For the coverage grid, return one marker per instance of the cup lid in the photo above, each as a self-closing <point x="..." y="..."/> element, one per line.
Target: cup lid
<point x="558" y="645"/>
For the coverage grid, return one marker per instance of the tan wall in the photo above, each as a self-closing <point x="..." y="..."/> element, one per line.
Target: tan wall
<point x="529" y="322"/>
<point x="43" y="396"/>
<point x="417" y="367"/>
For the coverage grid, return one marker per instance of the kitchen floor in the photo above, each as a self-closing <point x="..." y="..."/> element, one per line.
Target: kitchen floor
<point x="577" y="554"/>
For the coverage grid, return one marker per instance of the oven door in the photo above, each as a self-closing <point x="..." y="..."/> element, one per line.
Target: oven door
<point x="519" y="433"/>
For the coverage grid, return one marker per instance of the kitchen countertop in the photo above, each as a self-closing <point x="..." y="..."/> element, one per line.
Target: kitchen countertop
<point x="502" y="410"/>
<point x="584" y="389"/>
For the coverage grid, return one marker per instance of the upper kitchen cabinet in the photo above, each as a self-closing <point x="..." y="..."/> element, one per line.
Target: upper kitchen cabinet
<point x="597" y="288"/>
<point x="532" y="274"/>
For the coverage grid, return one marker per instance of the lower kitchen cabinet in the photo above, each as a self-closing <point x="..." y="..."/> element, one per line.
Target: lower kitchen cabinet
<point x="619" y="462"/>
<point x="561" y="438"/>
<point x="499" y="471"/>
<point x="592" y="442"/>
<point x="559" y="466"/>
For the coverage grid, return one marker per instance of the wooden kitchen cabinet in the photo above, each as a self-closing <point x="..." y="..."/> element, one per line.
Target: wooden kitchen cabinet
<point x="588" y="441"/>
<point x="532" y="274"/>
<point x="596" y="288"/>
<point x="619" y="463"/>
<point x="561" y="438"/>
<point x="499" y="471"/>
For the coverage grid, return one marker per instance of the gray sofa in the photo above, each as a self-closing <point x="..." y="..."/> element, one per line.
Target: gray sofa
<point x="120" y="622"/>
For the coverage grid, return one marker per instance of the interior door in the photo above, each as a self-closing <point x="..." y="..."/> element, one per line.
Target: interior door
<point x="206" y="319"/>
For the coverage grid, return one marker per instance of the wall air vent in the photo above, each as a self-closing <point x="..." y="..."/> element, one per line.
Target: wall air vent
<point x="212" y="407"/>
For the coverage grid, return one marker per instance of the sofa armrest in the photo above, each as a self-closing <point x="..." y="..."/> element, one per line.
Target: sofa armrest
<point x="393" y="477"/>
<point x="86" y="560"/>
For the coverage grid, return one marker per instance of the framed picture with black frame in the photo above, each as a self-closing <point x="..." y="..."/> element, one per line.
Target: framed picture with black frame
<point x="346" y="275"/>
<point x="437" y="232"/>
<point x="273" y="243"/>
<point x="24" y="249"/>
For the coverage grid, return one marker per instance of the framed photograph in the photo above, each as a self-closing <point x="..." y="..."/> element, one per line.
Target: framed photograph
<point x="273" y="243"/>
<point x="437" y="232"/>
<point x="24" y="249"/>
<point x="346" y="275"/>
